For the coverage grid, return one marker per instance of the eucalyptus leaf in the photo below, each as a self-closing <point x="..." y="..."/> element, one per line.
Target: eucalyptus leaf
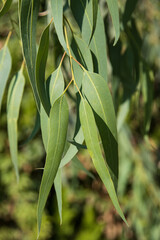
<point x="40" y="69"/>
<point x="5" y="67"/>
<point x="13" y="106"/>
<point x="57" y="11"/>
<point x="58" y="189"/>
<point x="35" y="129"/>
<point x="113" y="9"/>
<point x="76" y="163"/>
<point x="59" y="115"/>
<point x="97" y="92"/>
<point x="91" y="138"/>
<point x="28" y="21"/>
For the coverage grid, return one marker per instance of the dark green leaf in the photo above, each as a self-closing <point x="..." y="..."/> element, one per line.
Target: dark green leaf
<point x="5" y="7"/>
<point x="129" y="8"/>
<point x="28" y="21"/>
<point x="40" y="69"/>
<point x="56" y="142"/>
<point x="35" y="129"/>
<point x="78" y="145"/>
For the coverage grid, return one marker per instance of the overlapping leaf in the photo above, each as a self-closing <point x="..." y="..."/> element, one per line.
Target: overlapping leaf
<point x="5" y="7"/>
<point x="83" y="13"/>
<point x="40" y="69"/>
<point x="57" y="11"/>
<point x="97" y="92"/>
<point x="91" y="138"/>
<point x="59" y="115"/>
<point x="113" y="9"/>
<point x="28" y="21"/>
<point x="13" y="107"/>
<point x="58" y="190"/>
<point x="5" y="67"/>
<point x="76" y="163"/>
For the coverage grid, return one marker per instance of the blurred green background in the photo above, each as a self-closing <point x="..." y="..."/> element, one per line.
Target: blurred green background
<point x="88" y="214"/>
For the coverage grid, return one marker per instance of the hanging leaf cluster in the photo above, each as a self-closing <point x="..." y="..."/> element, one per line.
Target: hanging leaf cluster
<point x="80" y="31"/>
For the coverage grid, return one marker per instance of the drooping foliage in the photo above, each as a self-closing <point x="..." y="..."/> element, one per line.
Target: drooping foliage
<point x="80" y="31"/>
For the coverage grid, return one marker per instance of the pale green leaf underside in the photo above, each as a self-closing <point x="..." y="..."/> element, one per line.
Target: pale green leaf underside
<point x="13" y="106"/>
<point x="58" y="189"/>
<point x="5" y="67"/>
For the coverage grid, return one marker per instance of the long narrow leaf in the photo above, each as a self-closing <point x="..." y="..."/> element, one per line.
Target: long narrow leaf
<point x="58" y="129"/>
<point x="57" y="11"/>
<point x="79" y="166"/>
<point x="13" y="107"/>
<point x="94" y="15"/>
<point x="98" y="48"/>
<point x="91" y="137"/>
<point x="5" y="67"/>
<point x="97" y="92"/>
<point x="28" y="21"/>
<point x="58" y="189"/>
<point x="40" y="69"/>
<point x="113" y="9"/>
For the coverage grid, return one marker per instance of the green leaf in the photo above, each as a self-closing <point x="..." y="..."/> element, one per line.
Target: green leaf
<point x="35" y="129"/>
<point x="56" y="88"/>
<point x="56" y="85"/>
<point x="56" y="142"/>
<point x="5" y="67"/>
<point x="94" y="15"/>
<point x="85" y="53"/>
<point x="57" y="11"/>
<point x="71" y="21"/>
<point x="78" y="137"/>
<point x="98" y="48"/>
<point x="113" y="9"/>
<point x="28" y="21"/>
<point x="72" y="151"/>
<point x="13" y="106"/>
<point x="83" y="13"/>
<point x="147" y="93"/>
<point x="79" y="166"/>
<point x="91" y="137"/>
<point x="5" y="7"/>
<point x="78" y="145"/>
<point x="97" y="92"/>
<point x="40" y="69"/>
<point x="58" y="189"/>
<point x="129" y="8"/>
